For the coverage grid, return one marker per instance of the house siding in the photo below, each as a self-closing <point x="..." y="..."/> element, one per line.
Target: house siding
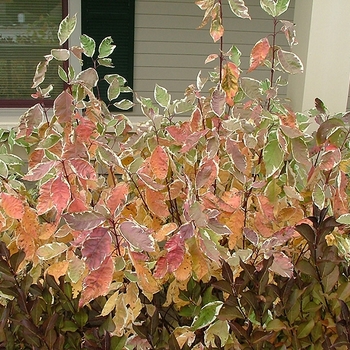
<point x="170" y="51"/>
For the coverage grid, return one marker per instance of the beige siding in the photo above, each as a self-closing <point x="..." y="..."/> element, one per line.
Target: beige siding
<point x="170" y="51"/>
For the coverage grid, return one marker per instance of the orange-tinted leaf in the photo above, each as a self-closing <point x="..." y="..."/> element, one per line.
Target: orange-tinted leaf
<point x="58" y="269"/>
<point x="235" y="222"/>
<point x="199" y="262"/>
<point x="259" y="53"/>
<point x="184" y="271"/>
<point x="207" y="174"/>
<point x="117" y="196"/>
<point x="25" y="242"/>
<point x="45" y="202"/>
<point x="97" y="282"/>
<point x="165" y="230"/>
<point x="156" y="203"/>
<point x="60" y="194"/>
<point x="145" y="279"/>
<point x="12" y="206"/>
<point x="159" y="163"/>
<point x="96" y="247"/>
<point x="230" y="82"/>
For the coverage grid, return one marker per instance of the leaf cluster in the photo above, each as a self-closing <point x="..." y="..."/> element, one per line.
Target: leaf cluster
<point x="225" y="230"/>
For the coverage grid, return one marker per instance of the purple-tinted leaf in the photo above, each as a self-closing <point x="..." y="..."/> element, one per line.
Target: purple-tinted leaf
<point x="237" y="157"/>
<point x="251" y="235"/>
<point x="83" y="221"/>
<point x="327" y="128"/>
<point x="186" y="230"/>
<point x="218" y="228"/>
<point x="96" y="247"/>
<point x="137" y="235"/>
<point x="218" y="102"/>
<point x="208" y="247"/>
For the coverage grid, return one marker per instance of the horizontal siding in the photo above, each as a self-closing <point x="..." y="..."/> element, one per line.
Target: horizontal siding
<point x="170" y="50"/>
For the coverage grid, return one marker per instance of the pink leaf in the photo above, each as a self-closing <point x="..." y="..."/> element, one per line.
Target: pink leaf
<point x="30" y="120"/>
<point x="39" y="171"/>
<point x="137" y="235"/>
<point x="282" y="265"/>
<point x="60" y="194"/>
<point x="259" y="53"/>
<point x="161" y="267"/>
<point x="83" y="169"/>
<point x="179" y="133"/>
<point x="192" y="140"/>
<point x="12" y="206"/>
<point x="96" y="247"/>
<point x="83" y="221"/>
<point x="117" y="197"/>
<point x="97" y="282"/>
<point x="63" y="107"/>
<point x="176" y="252"/>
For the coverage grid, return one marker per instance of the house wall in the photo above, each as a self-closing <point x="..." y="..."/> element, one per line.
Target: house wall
<point x="170" y="51"/>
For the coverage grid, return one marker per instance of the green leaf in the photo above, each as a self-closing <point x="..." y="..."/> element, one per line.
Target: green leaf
<point x="105" y="62"/>
<point x="11" y="159"/>
<point x="88" y="45"/>
<point x="207" y="315"/>
<point x="49" y="141"/>
<point x="305" y="328"/>
<point x="344" y="219"/>
<point x="281" y="6"/>
<point x="290" y="62"/>
<point x="113" y="90"/>
<point x="162" y="96"/>
<point x="218" y="329"/>
<point x="273" y="157"/>
<point x="106" y="47"/>
<point x="50" y="250"/>
<point x="60" y="54"/>
<point x="124" y="104"/>
<point x="62" y="74"/>
<point x="66" y="28"/>
<point x="276" y="325"/>
<point x="238" y="8"/>
<point x="4" y="172"/>
<point x="235" y="55"/>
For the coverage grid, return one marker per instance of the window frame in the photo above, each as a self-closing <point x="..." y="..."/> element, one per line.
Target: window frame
<point x="26" y="103"/>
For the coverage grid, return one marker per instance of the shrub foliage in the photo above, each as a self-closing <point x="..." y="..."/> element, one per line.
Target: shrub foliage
<point x="227" y="230"/>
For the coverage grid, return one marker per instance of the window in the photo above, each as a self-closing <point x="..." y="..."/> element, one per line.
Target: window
<point x="113" y="18"/>
<point x="28" y="30"/>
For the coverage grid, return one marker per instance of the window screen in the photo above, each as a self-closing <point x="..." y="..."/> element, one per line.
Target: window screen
<point x="113" y="18"/>
<point x="28" y="31"/>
